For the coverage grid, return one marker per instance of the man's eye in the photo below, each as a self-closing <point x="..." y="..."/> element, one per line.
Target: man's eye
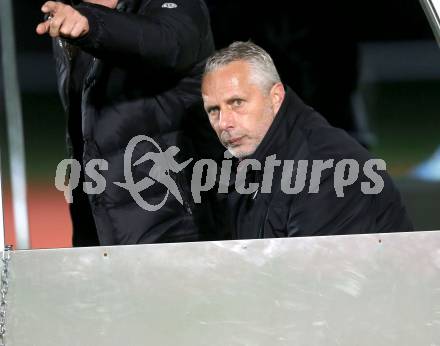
<point x="237" y="103"/>
<point x="213" y="112"/>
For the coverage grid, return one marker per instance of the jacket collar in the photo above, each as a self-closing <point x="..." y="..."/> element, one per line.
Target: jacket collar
<point x="281" y="127"/>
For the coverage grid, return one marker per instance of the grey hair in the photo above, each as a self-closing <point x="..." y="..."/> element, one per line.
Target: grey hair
<point x="264" y="72"/>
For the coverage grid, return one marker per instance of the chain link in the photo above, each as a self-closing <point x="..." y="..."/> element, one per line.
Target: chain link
<point x="4" y="291"/>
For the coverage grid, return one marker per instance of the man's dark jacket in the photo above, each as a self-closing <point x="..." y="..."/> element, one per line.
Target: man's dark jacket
<point x="137" y="72"/>
<point x="300" y="133"/>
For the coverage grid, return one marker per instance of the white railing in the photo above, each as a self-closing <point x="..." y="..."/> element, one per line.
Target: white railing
<point x="14" y="126"/>
<point x="2" y="227"/>
<point x="432" y="10"/>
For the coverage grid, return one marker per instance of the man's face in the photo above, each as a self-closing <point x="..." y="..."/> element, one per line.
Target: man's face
<point x="239" y="110"/>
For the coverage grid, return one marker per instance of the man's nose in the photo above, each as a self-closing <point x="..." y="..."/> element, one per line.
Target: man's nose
<point x="226" y="119"/>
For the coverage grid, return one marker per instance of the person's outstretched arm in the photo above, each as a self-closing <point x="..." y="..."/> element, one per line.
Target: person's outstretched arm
<point x="165" y="37"/>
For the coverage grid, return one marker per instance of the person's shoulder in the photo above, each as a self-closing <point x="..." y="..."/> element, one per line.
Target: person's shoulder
<point x="195" y="10"/>
<point x="327" y="142"/>
<point x="178" y="6"/>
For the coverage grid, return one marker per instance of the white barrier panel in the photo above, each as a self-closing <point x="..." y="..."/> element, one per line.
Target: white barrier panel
<point x="367" y="290"/>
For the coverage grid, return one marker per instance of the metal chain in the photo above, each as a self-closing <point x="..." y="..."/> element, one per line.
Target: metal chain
<point x="4" y="291"/>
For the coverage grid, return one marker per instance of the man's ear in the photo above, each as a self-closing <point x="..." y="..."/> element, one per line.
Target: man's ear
<point x="277" y="94"/>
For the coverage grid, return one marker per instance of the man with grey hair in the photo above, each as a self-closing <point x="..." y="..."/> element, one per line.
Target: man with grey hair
<point x="257" y="118"/>
<point x="243" y="61"/>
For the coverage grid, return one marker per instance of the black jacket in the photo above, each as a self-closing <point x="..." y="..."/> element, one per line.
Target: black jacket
<point x="300" y="133"/>
<point x="137" y="72"/>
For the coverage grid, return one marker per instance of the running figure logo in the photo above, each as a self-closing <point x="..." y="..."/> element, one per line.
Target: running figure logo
<point x="163" y="164"/>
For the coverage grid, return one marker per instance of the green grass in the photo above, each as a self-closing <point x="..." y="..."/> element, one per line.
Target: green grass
<point x="405" y="118"/>
<point x="44" y="133"/>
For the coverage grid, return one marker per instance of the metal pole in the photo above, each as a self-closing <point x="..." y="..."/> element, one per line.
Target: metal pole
<point x="2" y="225"/>
<point x="14" y="126"/>
<point x="432" y="11"/>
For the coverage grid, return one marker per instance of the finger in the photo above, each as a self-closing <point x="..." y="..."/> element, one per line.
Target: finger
<point x="80" y="29"/>
<point x="42" y="28"/>
<point x="67" y="27"/>
<point x="51" y="7"/>
<point x="55" y="25"/>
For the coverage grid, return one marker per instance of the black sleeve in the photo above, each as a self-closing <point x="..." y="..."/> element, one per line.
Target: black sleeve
<point x="162" y="38"/>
